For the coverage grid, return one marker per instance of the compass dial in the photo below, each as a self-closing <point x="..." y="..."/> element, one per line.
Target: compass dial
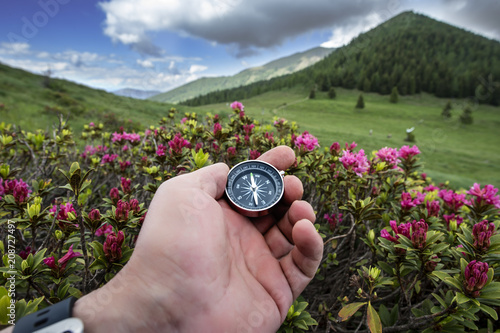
<point x="253" y="187"/>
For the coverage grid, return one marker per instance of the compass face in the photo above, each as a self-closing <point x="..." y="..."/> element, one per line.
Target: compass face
<point x="253" y="187"/>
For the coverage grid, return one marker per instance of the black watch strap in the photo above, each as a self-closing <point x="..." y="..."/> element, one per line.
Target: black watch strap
<point x="45" y="317"/>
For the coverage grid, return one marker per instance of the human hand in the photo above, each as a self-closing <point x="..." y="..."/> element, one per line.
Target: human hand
<point x="199" y="266"/>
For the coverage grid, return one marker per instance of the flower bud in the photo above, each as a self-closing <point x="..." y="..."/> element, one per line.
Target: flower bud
<point x="112" y="246"/>
<point x="475" y="277"/>
<point x="59" y="234"/>
<point x="481" y="233"/>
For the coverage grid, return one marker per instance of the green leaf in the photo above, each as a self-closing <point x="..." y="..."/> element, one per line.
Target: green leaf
<point x="348" y="310"/>
<point x="38" y="258"/>
<point x="386" y="267"/>
<point x="463" y="264"/>
<point x="490" y="311"/>
<point x="440" y="300"/>
<point x="373" y="320"/>
<point x="385" y="316"/>
<point x="462" y="299"/>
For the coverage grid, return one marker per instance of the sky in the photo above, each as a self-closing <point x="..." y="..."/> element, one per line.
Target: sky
<point x="162" y="44"/>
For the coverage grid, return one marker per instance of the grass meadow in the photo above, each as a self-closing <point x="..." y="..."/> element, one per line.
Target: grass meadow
<point x="461" y="154"/>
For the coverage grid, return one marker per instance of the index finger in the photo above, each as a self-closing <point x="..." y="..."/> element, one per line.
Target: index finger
<point x="282" y="157"/>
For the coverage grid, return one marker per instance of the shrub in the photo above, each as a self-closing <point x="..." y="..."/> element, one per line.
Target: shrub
<point x="312" y="93"/>
<point x="447" y="110"/>
<point x="394" y="95"/>
<point x="360" y="104"/>
<point x="466" y="116"/>
<point x="400" y="252"/>
<point x="331" y="93"/>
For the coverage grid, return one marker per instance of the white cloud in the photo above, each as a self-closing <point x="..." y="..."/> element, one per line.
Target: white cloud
<point x="108" y="72"/>
<point x="14" y="48"/>
<point x="197" y="68"/>
<point x="342" y="35"/>
<point x="145" y="63"/>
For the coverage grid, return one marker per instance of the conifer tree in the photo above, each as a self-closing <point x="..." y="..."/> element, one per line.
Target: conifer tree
<point x="466" y="116"/>
<point x="447" y="110"/>
<point x="312" y="94"/>
<point x="361" y="103"/>
<point x="394" y="95"/>
<point x="331" y="93"/>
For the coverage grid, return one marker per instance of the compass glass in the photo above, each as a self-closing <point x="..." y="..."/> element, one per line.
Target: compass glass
<point x="254" y="186"/>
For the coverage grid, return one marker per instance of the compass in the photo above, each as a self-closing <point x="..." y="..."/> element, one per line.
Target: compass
<point x="254" y="187"/>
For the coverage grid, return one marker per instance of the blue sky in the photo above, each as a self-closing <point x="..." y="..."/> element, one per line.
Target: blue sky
<point x="162" y="44"/>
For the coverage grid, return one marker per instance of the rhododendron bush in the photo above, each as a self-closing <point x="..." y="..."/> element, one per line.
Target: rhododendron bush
<point x="401" y="253"/>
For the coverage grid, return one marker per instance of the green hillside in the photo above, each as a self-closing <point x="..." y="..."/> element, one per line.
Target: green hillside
<point x="462" y="154"/>
<point x="410" y="51"/>
<point x="34" y="102"/>
<point x="275" y="68"/>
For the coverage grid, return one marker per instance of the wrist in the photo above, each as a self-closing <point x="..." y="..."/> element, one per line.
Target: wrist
<point x="118" y="306"/>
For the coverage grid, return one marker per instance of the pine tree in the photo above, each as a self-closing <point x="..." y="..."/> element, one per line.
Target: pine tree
<point x="331" y="93"/>
<point x="361" y="103"/>
<point x="447" y="110"/>
<point x="466" y="116"/>
<point x="394" y="95"/>
<point x="312" y="94"/>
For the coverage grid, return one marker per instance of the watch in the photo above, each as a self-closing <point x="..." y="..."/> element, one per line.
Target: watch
<point x="254" y="187"/>
<point x="56" y="318"/>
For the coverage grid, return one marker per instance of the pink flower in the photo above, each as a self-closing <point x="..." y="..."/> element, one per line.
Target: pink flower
<point x="122" y="211"/>
<point x="475" y="277"/>
<point x="351" y="146"/>
<point x="177" y="143"/>
<point x="431" y="188"/>
<point x="108" y="158"/>
<point x="64" y="209"/>
<point x="104" y="230"/>
<point x="161" y="150"/>
<point x="94" y="215"/>
<point x="124" y="165"/>
<point x="26" y="252"/>
<point x="402" y="229"/>
<point x="254" y="154"/>
<point x="306" y="141"/>
<point x="183" y="120"/>
<point x="269" y="137"/>
<point x="248" y="128"/>
<point x="407" y="153"/>
<point x="61" y="263"/>
<point x="333" y="219"/>
<point x="335" y="148"/>
<point x="407" y="202"/>
<point x="125" y="184"/>
<point x="91" y="124"/>
<point x="356" y="162"/>
<point x="114" y="194"/>
<point x="237" y="106"/>
<point x="231" y="152"/>
<point x="453" y="219"/>
<point x="217" y="129"/>
<point x="433" y="208"/>
<point x="419" y="233"/>
<point x="452" y="200"/>
<point x="112" y="246"/>
<point x="18" y="188"/>
<point x="198" y="146"/>
<point x="388" y="155"/>
<point x="134" y="205"/>
<point x="485" y="196"/>
<point x="482" y="233"/>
